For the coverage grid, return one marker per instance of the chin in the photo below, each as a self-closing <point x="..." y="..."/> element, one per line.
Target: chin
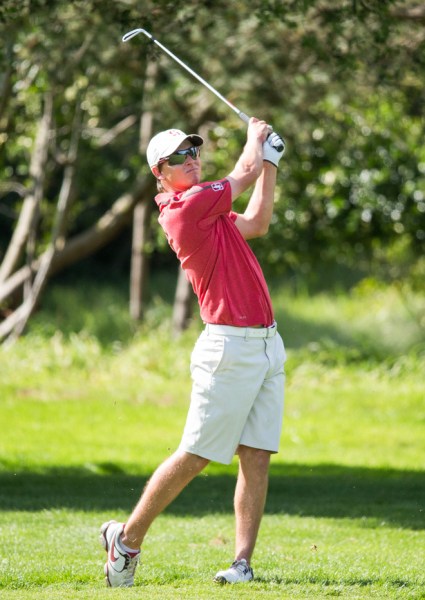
<point x="189" y="181"/>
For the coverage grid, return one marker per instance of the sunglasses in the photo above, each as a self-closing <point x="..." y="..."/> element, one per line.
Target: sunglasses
<point x="179" y="157"/>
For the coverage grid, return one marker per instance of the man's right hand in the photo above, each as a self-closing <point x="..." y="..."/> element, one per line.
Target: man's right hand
<point x="257" y="130"/>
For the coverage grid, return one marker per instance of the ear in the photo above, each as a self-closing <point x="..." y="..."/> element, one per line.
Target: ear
<point x="157" y="173"/>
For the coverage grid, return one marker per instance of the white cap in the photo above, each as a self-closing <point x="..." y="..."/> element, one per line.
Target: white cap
<point x="165" y="143"/>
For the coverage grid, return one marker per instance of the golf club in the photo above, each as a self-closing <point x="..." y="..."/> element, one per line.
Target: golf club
<point x="241" y="115"/>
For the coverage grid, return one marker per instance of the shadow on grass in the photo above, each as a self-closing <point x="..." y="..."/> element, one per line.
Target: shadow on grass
<point x="396" y="498"/>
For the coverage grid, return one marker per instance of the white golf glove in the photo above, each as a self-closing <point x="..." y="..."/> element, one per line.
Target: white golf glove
<point x="270" y="148"/>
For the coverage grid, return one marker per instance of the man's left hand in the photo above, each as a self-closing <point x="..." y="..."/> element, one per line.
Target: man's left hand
<point x="270" y="148"/>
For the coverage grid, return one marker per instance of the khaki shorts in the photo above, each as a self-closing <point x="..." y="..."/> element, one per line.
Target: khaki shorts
<point x="237" y="393"/>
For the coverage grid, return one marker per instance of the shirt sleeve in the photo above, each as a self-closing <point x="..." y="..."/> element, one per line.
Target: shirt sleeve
<point x="206" y="202"/>
<point x="190" y="217"/>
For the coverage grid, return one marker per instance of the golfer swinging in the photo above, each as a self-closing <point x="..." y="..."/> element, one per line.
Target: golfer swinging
<point x="237" y="363"/>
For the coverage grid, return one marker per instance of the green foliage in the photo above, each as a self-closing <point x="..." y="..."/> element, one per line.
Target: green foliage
<point x="355" y="187"/>
<point x="341" y="81"/>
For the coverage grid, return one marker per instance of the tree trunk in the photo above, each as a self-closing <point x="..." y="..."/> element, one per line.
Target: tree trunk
<point x="29" y="211"/>
<point x="139" y="259"/>
<point x="6" y="87"/>
<point x="183" y="304"/>
<point x="139" y="271"/>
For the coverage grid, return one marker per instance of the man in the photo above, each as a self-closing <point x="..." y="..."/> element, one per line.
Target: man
<point x="237" y="363"/>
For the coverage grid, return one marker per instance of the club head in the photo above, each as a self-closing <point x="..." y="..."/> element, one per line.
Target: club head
<point x="133" y="33"/>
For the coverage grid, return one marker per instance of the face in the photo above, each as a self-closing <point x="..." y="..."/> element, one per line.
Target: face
<point x="178" y="178"/>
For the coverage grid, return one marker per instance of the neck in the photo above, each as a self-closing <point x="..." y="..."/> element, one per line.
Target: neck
<point x="170" y="189"/>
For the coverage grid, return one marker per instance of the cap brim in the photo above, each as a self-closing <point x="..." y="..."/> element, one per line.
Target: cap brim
<point x="193" y="138"/>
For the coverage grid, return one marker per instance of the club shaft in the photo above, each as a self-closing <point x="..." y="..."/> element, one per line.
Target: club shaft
<point x="131" y="34"/>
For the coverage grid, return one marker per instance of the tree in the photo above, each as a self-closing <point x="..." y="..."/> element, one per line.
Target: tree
<point x="342" y="81"/>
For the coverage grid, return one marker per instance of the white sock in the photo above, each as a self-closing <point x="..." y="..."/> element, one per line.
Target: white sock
<point x="126" y="548"/>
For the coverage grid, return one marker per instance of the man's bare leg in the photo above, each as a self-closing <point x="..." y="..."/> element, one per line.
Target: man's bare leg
<point x="250" y="498"/>
<point x="169" y="479"/>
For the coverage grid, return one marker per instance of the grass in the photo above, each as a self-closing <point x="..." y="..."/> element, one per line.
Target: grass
<point x="89" y="407"/>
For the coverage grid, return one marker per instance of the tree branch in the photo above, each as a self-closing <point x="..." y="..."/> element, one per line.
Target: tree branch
<point x="108" y="136"/>
<point x="13" y="186"/>
<point x="414" y="13"/>
<point x="99" y="235"/>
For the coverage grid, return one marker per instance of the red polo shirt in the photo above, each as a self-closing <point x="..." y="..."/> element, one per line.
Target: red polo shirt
<point x="220" y="265"/>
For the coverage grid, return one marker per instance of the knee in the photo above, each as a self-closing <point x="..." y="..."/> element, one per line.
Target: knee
<point x="254" y="458"/>
<point x="194" y="462"/>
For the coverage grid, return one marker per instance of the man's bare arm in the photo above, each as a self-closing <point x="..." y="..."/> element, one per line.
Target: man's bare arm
<point x="250" y="163"/>
<point x="255" y="221"/>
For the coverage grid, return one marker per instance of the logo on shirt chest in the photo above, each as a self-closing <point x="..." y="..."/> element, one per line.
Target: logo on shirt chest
<point x="217" y="187"/>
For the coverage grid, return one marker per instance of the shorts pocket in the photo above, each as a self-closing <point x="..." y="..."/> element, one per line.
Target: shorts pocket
<point x="282" y="350"/>
<point x="207" y="355"/>
<point x="278" y="364"/>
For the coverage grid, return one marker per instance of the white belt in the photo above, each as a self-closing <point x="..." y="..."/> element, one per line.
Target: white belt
<point x="246" y="332"/>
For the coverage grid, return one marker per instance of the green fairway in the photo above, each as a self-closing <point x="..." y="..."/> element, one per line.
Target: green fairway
<point x="87" y="415"/>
